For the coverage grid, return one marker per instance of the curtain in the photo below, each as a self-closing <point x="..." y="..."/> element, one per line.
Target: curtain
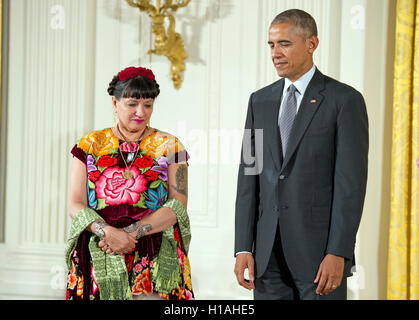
<point x="403" y="257"/>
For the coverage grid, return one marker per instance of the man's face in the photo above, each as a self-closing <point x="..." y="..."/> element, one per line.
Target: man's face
<point x="291" y="51"/>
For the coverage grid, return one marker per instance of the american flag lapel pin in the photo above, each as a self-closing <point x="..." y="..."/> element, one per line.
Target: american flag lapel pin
<point x="313" y="101"/>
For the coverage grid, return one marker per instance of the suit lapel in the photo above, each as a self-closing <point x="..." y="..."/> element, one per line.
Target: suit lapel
<point x="271" y="119"/>
<point x="308" y="107"/>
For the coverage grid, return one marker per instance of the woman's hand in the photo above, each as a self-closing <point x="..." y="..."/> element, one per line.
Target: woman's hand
<point x="117" y="241"/>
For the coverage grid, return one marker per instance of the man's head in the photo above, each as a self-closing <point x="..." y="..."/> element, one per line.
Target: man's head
<point x="293" y="40"/>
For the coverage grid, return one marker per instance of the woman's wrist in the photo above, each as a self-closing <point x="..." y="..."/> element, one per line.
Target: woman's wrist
<point x="137" y="230"/>
<point x="132" y="228"/>
<point x="143" y="230"/>
<point x="99" y="228"/>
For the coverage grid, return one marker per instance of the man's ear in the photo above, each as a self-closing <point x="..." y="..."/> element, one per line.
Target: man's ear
<point x="312" y="43"/>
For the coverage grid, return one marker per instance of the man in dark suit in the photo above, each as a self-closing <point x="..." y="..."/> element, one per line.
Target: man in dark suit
<point x="299" y="203"/>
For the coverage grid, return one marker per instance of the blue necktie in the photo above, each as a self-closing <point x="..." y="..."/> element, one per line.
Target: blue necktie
<point x="287" y="117"/>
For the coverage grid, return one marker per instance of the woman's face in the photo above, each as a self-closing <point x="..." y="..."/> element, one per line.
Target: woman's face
<point x="133" y="114"/>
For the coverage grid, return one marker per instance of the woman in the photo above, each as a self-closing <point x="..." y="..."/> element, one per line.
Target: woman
<point x="130" y="232"/>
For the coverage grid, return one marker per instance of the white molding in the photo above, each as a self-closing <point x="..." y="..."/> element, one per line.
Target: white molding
<point x="32" y="272"/>
<point x="50" y="89"/>
<point x="57" y="84"/>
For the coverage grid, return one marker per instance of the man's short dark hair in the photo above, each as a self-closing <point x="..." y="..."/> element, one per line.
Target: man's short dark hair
<point x="300" y="19"/>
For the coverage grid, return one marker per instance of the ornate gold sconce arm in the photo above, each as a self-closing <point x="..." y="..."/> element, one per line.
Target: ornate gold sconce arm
<point x="170" y="43"/>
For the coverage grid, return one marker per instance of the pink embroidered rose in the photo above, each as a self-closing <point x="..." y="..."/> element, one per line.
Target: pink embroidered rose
<point x="188" y="295"/>
<point x="181" y="256"/>
<point x="144" y="261"/>
<point x="113" y="187"/>
<point x="138" y="267"/>
<point x="129" y="147"/>
<point x="92" y="276"/>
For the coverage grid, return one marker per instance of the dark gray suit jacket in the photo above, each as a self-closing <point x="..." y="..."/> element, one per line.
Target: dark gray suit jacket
<point x="316" y="194"/>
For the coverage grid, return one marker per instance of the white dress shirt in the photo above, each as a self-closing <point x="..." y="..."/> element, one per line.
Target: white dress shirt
<point x="301" y="85"/>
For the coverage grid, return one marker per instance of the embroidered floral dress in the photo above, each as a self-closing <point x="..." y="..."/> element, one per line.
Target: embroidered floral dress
<point x="122" y="201"/>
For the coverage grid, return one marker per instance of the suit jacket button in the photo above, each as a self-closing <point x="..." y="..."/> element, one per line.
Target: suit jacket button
<point x="276" y="208"/>
<point x="282" y="177"/>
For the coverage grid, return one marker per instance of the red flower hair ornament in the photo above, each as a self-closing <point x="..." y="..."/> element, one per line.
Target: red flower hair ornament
<point x="131" y="72"/>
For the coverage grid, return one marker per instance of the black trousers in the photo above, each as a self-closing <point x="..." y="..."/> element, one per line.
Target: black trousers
<point x="277" y="282"/>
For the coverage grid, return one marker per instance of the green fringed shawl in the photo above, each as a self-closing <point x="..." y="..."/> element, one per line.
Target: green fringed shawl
<point x="166" y="272"/>
<point x="110" y="270"/>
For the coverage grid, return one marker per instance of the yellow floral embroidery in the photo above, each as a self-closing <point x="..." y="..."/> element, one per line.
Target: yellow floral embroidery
<point x="164" y="296"/>
<point x="161" y="144"/>
<point x="99" y="142"/>
<point x="187" y="273"/>
<point x="155" y="144"/>
<point x="80" y="286"/>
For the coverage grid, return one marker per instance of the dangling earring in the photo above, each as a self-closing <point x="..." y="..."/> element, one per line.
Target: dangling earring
<point x="115" y="121"/>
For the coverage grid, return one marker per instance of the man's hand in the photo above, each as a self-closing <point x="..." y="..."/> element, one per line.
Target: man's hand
<point x="330" y="273"/>
<point x="245" y="261"/>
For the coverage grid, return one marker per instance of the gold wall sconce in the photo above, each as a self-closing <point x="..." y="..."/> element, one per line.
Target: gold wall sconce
<point x="168" y="43"/>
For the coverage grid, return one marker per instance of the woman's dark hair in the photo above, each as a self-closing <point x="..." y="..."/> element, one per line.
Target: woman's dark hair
<point x="136" y="87"/>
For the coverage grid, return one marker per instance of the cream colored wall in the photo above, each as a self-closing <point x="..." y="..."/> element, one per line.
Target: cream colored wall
<point x="378" y="89"/>
<point x="57" y="89"/>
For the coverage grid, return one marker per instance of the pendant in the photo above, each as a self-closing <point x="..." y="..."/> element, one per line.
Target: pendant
<point x="130" y="157"/>
<point x="128" y="174"/>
